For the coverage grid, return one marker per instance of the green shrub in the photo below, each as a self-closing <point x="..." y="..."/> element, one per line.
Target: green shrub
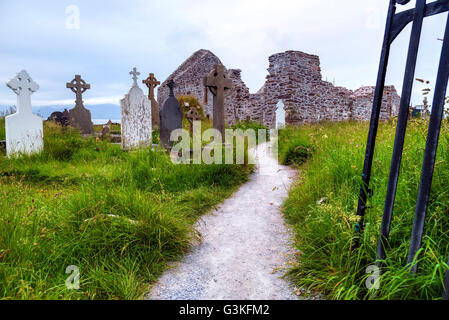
<point x="294" y="148"/>
<point x="189" y="102"/>
<point x="297" y="155"/>
<point x="155" y="135"/>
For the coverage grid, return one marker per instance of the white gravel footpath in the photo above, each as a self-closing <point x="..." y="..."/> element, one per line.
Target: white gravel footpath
<point x="245" y="247"/>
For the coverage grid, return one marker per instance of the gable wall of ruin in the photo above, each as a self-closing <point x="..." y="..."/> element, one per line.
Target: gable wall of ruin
<point x="293" y="77"/>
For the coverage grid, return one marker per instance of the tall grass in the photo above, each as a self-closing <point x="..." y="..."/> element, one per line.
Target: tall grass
<point x="3" y="114"/>
<point x="120" y="217"/>
<point x="322" y="206"/>
<point x="2" y="128"/>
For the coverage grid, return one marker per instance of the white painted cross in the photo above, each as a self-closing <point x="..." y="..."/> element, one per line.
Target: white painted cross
<point x="24" y="130"/>
<point x="135" y="74"/>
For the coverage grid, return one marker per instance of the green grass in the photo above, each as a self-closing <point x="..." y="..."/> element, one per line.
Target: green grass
<point x="115" y="128"/>
<point x="330" y="158"/>
<point x="56" y="207"/>
<point x="2" y="128"/>
<point x="250" y="125"/>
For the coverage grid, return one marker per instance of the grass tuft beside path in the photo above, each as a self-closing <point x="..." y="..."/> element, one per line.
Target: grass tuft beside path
<point x="118" y="216"/>
<point x="322" y="206"/>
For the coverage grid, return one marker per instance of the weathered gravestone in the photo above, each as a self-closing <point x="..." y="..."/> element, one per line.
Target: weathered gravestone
<point x="136" y="117"/>
<point x="80" y="117"/>
<point x="192" y="115"/>
<point x="105" y="132"/>
<point x="63" y="118"/>
<point x="171" y="117"/>
<point x="151" y="82"/>
<point x="24" y="130"/>
<point x="217" y="83"/>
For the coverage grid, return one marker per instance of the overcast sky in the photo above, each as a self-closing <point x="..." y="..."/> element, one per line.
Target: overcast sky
<point x="157" y="36"/>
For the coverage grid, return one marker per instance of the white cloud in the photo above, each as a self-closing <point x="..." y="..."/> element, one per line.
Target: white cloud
<point x="156" y="36"/>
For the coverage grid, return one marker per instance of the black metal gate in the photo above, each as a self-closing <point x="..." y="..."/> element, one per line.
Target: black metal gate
<point x="396" y="22"/>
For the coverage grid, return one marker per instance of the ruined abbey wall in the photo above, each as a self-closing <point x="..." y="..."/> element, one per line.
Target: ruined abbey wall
<point x="293" y="77"/>
<point x="189" y="79"/>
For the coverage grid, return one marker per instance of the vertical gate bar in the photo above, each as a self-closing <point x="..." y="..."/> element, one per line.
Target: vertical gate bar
<point x="375" y="114"/>
<point x="401" y="127"/>
<point x="431" y="152"/>
<point x="446" y="285"/>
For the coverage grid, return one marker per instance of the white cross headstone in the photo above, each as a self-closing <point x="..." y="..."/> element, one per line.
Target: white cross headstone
<point x="24" y="130"/>
<point x="135" y="74"/>
<point x="280" y="115"/>
<point x="136" y="117"/>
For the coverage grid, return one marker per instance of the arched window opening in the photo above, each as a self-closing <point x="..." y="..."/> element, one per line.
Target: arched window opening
<point x="280" y="115"/>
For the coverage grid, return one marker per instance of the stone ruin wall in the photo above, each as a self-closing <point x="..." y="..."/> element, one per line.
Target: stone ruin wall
<point x="189" y="80"/>
<point x="295" y="78"/>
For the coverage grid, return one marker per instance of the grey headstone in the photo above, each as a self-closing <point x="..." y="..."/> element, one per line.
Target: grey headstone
<point x="171" y="117"/>
<point x="105" y="132"/>
<point x="80" y="117"/>
<point x="63" y="118"/>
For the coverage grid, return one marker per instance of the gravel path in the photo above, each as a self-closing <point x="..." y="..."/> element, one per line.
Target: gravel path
<point x="245" y="247"/>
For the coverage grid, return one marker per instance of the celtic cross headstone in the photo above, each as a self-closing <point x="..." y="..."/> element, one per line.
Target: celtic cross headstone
<point x="80" y="117"/>
<point x="151" y="82"/>
<point x="24" y="130"/>
<point x="218" y="83"/>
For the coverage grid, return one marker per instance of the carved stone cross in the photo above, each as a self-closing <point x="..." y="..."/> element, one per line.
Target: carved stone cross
<point x="192" y="115"/>
<point x="171" y="85"/>
<point x="80" y="117"/>
<point x="24" y="87"/>
<point x="151" y="83"/>
<point x="217" y="83"/>
<point x="134" y="73"/>
<point x="78" y="86"/>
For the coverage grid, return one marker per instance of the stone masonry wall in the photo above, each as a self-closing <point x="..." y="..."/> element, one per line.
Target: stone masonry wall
<point x="189" y="79"/>
<point x="295" y="78"/>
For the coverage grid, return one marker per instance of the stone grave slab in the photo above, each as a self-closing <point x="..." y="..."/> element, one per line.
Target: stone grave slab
<point x="136" y="117"/>
<point x="171" y="117"/>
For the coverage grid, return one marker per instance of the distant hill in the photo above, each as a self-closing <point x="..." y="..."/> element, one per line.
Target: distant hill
<point x="100" y="111"/>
